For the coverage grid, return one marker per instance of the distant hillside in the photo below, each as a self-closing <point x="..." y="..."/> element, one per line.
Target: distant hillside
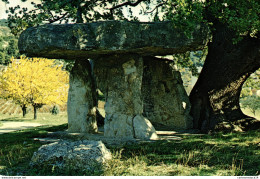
<point x="3" y="22"/>
<point x="8" y="43"/>
<point x="4" y="29"/>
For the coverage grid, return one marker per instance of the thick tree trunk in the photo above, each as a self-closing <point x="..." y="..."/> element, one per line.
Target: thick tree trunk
<point x="215" y="96"/>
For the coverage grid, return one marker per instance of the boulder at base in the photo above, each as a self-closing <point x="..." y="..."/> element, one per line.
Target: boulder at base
<point x="82" y="155"/>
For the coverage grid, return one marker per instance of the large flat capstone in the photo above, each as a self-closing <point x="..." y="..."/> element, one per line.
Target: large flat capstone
<point x="90" y="40"/>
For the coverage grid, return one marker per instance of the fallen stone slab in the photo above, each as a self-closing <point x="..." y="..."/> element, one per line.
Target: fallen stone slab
<point x="83" y="155"/>
<point x="90" y="40"/>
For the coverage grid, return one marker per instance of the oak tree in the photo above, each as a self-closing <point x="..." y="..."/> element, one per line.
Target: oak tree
<point x="233" y="54"/>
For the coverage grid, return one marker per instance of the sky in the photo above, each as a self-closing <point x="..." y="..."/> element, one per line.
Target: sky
<point x="4" y="7"/>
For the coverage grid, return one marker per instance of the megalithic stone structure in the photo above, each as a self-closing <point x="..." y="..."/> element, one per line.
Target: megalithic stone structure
<point x="123" y="56"/>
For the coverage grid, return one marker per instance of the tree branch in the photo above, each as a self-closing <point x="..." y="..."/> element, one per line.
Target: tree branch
<point x="157" y="6"/>
<point x="57" y="19"/>
<point x="126" y="4"/>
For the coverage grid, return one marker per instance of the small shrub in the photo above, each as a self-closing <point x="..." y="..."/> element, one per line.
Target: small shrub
<point x="55" y="110"/>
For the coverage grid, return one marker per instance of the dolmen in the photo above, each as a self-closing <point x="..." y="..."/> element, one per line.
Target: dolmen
<point x="121" y="59"/>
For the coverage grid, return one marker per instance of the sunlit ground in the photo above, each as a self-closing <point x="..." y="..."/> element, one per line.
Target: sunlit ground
<point x="249" y="112"/>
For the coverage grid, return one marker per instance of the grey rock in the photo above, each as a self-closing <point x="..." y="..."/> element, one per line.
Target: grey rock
<point x="79" y="155"/>
<point x="90" y="40"/>
<point x="143" y="128"/>
<point x="82" y="99"/>
<point x="165" y="99"/>
<point x="120" y="80"/>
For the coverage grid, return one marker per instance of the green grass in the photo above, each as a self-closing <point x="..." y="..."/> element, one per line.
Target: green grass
<point x="16" y="149"/>
<point x="217" y="154"/>
<point x="43" y="118"/>
<point x="214" y="155"/>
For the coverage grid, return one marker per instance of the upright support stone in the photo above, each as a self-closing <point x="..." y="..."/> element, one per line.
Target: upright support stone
<point x="165" y="99"/>
<point x="82" y="99"/>
<point x="120" y="79"/>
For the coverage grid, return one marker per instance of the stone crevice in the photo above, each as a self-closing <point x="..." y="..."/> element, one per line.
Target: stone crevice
<point x="134" y="136"/>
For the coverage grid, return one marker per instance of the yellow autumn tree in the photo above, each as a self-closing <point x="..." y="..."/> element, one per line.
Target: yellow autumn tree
<point x="36" y="81"/>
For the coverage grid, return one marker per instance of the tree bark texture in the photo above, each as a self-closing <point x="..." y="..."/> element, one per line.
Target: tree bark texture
<point x="215" y="96"/>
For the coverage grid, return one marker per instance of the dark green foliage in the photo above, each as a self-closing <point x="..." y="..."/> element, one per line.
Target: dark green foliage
<point x="240" y="16"/>
<point x="186" y="14"/>
<point x="190" y="60"/>
<point x="8" y="49"/>
<point x="8" y="44"/>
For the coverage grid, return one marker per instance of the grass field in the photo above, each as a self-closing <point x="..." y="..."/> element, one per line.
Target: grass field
<point x="217" y="154"/>
<point x="214" y="155"/>
<point x="43" y="118"/>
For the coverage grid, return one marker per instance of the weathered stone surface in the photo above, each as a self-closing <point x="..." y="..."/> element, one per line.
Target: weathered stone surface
<point x="79" y="155"/>
<point x="82" y="99"/>
<point x="82" y="41"/>
<point x="143" y="128"/>
<point x="120" y="81"/>
<point x="165" y="99"/>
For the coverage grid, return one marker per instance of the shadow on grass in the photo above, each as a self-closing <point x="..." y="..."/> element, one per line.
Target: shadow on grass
<point x="10" y="119"/>
<point x="17" y="148"/>
<point x="17" y="119"/>
<point x="236" y="152"/>
<point x="203" y="154"/>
